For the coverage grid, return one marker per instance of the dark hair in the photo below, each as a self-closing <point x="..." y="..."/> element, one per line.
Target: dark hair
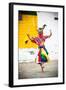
<point x="40" y="30"/>
<point x="44" y="25"/>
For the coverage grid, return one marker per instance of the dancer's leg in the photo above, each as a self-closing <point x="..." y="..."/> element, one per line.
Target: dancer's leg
<point x="42" y="66"/>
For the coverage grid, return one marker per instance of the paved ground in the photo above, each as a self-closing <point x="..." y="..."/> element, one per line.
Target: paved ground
<point x="33" y="70"/>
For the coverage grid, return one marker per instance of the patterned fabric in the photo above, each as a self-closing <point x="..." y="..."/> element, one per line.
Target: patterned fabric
<point x="39" y="39"/>
<point x="42" y="55"/>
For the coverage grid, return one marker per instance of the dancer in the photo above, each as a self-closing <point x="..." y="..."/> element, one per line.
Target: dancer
<point x="40" y="40"/>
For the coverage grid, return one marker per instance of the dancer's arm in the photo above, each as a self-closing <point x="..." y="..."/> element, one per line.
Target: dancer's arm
<point x="48" y="36"/>
<point x="34" y="40"/>
<point x="31" y="38"/>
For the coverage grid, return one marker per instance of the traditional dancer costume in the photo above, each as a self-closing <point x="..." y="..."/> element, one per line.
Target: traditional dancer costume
<point x="43" y="53"/>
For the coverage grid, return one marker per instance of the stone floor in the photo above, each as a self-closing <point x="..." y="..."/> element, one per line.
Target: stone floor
<point x="28" y="70"/>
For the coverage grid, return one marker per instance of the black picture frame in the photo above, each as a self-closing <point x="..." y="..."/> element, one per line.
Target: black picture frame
<point x="11" y="43"/>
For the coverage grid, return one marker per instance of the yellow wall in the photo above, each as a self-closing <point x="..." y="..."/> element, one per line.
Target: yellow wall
<point x="28" y="25"/>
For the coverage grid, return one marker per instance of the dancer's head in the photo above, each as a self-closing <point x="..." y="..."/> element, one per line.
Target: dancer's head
<point x="40" y="30"/>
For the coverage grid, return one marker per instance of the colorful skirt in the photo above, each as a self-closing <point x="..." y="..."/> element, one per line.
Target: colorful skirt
<point x="42" y="55"/>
